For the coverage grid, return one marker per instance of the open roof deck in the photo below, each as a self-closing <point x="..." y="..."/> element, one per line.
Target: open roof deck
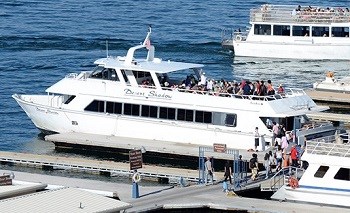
<point x="303" y="14"/>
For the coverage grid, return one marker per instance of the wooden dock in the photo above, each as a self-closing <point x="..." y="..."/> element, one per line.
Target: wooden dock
<point x="328" y="96"/>
<point x="326" y="116"/>
<point x="102" y="167"/>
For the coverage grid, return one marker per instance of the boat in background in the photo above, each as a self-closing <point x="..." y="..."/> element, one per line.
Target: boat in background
<point x="296" y="32"/>
<point x="325" y="179"/>
<point x="162" y="100"/>
<point x="331" y="84"/>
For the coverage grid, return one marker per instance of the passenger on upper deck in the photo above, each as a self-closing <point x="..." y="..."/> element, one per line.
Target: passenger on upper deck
<point x="280" y="89"/>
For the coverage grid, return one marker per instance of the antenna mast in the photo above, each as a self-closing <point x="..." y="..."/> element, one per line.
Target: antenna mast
<point x="107" y="48"/>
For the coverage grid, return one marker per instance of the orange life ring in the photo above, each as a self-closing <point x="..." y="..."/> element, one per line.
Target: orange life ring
<point x="293" y="182"/>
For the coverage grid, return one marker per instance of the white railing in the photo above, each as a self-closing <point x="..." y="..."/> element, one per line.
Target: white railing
<point x="291" y="14"/>
<point x="289" y="92"/>
<point x="336" y="145"/>
<point x="81" y="76"/>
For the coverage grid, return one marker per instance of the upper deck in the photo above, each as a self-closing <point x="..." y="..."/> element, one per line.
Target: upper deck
<point x="299" y="14"/>
<point x="335" y="145"/>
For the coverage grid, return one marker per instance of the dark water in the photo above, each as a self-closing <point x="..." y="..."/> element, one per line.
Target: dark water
<point x="41" y="41"/>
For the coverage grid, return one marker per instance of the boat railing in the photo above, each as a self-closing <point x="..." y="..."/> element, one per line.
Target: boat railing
<point x="314" y="125"/>
<point x="237" y="35"/>
<point x="81" y="76"/>
<point x="291" y="14"/>
<point x="336" y="145"/>
<point x="282" y="178"/>
<point x="289" y="92"/>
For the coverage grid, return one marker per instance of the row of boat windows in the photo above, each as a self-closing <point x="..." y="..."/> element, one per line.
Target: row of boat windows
<point x="287" y="30"/>
<point x="168" y="113"/>
<point x="342" y="174"/>
<point x="111" y="74"/>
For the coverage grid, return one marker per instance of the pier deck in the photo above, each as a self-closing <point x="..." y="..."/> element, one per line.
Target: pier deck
<point x="329" y="96"/>
<point x="109" y="167"/>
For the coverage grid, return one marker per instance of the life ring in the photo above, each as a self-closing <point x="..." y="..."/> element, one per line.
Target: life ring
<point x="136" y="177"/>
<point x="238" y="38"/>
<point x="293" y="182"/>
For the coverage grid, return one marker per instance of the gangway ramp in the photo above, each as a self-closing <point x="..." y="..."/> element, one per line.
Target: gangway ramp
<point x="102" y="166"/>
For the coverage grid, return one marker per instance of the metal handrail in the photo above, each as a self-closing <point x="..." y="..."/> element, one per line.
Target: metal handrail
<point x="275" y="180"/>
<point x="327" y="148"/>
<point x="289" y="14"/>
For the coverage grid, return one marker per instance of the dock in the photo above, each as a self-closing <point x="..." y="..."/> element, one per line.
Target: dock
<point x="103" y="167"/>
<point x="326" y="116"/>
<point x="332" y="99"/>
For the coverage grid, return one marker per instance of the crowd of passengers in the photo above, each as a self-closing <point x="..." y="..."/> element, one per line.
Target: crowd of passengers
<point x="313" y="10"/>
<point x="204" y="85"/>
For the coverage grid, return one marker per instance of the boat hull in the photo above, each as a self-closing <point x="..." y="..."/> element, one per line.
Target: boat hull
<point x="300" y="50"/>
<point x="60" y="120"/>
<point x="316" y="195"/>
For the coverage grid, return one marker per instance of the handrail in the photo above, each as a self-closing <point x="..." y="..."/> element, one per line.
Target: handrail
<point x="275" y="180"/>
<point x="291" y="14"/>
<point x="288" y="92"/>
<point x="326" y="148"/>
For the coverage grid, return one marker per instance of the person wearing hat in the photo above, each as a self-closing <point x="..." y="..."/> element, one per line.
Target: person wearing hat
<point x="280" y="89"/>
<point x="203" y="79"/>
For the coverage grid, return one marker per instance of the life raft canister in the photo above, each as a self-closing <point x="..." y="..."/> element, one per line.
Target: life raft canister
<point x="238" y="38"/>
<point x="136" y="177"/>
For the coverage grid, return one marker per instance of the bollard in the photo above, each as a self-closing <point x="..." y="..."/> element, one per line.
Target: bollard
<point x="135" y="190"/>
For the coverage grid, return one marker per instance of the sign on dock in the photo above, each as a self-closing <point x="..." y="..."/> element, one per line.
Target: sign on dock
<point x="135" y="159"/>
<point x="218" y="147"/>
<point x="5" y="180"/>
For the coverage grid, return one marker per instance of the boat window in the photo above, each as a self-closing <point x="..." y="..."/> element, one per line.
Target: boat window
<point x="167" y="113"/>
<point x="132" y="109"/>
<point x="104" y="73"/>
<point x="97" y="72"/>
<point x="124" y="76"/>
<point x="69" y="99"/>
<point x="203" y="117"/>
<point x="281" y="30"/>
<point x="185" y="115"/>
<point x="262" y="29"/>
<point x="230" y="120"/>
<point x="320" y="31"/>
<point x="343" y="174"/>
<point x="301" y="31"/>
<point x="321" y="171"/>
<point x="95" y="106"/>
<point x="113" y="75"/>
<point x="149" y="111"/>
<point x="114" y="107"/>
<point x="340" y="31"/>
<point x="141" y="76"/>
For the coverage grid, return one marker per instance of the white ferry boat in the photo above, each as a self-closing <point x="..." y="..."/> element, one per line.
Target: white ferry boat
<point x="326" y="180"/>
<point x="141" y="98"/>
<point x="331" y="84"/>
<point x="296" y="32"/>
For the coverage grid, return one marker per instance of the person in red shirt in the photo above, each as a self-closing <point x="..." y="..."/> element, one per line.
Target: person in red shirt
<point x="294" y="156"/>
